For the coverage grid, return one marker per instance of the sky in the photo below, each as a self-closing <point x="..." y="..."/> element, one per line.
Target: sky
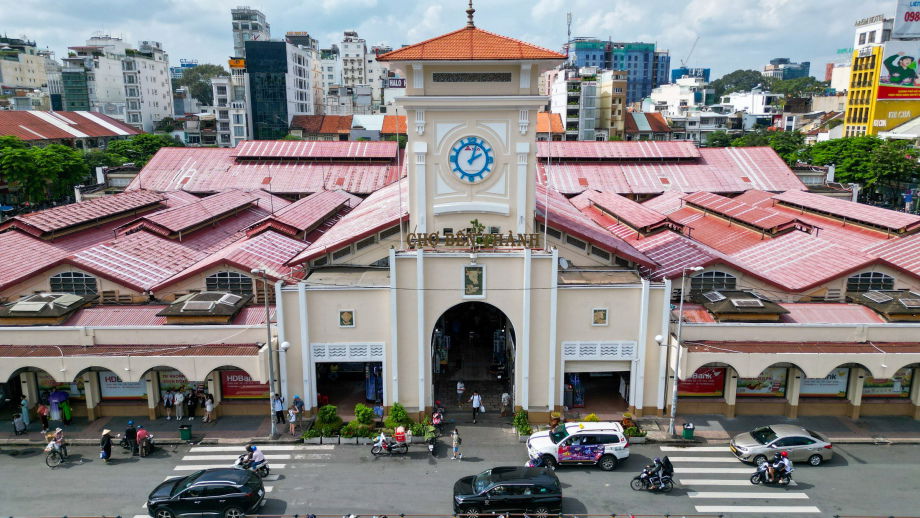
<point x="733" y="34"/>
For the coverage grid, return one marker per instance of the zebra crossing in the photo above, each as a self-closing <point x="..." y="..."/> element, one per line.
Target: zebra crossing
<point x="715" y="481"/>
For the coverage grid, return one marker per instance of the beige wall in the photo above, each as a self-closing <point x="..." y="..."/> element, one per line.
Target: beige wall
<point x="41" y="283"/>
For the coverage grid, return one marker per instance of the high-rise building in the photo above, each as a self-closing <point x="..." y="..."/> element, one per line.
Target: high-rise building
<point x="612" y="101"/>
<point x="702" y="73"/>
<point x="22" y="64"/>
<point x="783" y="68"/>
<point x="331" y="67"/>
<point x="184" y="64"/>
<point x="377" y="73"/>
<point x="646" y="67"/>
<point x="283" y="81"/>
<point x="248" y="25"/>
<point x="354" y="54"/>
<point x="574" y="96"/>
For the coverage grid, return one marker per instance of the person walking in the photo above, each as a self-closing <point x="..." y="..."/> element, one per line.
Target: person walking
<point x="24" y="403"/>
<point x="179" y="403"/>
<point x="131" y="438"/>
<point x="300" y="406"/>
<point x="506" y="403"/>
<point x="461" y="388"/>
<point x="43" y="412"/>
<point x="169" y="400"/>
<point x="105" y="445"/>
<point x="292" y="418"/>
<point x="191" y="403"/>
<point x="208" y="409"/>
<point x="278" y="407"/>
<point x="455" y="442"/>
<point x="476" y="400"/>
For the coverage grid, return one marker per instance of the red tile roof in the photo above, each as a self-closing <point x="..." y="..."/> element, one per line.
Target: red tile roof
<point x="118" y="316"/>
<point x="764" y="219"/>
<point x="903" y="252"/>
<point x="393" y="124"/>
<point x="859" y="212"/>
<point x="632" y="151"/>
<point x="58" y="219"/>
<point x="309" y="124"/>
<point x="187" y="217"/>
<point x="623" y="209"/>
<point x="548" y="120"/>
<point x="41" y="351"/>
<point x="307" y="213"/>
<point x="470" y="44"/>
<point x="336" y="124"/>
<point x="645" y="122"/>
<point x="313" y="149"/>
<point x="50" y="125"/>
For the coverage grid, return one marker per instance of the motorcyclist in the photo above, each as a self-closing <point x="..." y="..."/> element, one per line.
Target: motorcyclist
<point x="781" y="465"/>
<point x="131" y="437"/>
<point x="654" y="473"/>
<point x="436" y="419"/>
<point x="143" y="439"/>
<point x="254" y="458"/>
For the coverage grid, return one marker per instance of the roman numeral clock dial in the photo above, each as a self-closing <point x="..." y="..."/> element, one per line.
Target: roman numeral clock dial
<point x="471" y="159"/>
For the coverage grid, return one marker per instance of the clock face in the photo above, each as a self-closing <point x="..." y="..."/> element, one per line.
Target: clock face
<point x="471" y="159"/>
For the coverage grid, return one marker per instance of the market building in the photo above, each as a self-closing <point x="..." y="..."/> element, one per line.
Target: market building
<point x="577" y="276"/>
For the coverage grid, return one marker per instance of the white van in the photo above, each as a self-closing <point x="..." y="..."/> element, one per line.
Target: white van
<point x="601" y="443"/>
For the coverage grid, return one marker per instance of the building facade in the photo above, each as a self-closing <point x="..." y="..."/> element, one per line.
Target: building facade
<point x="575" y="97"/>
<point x="283" y="81"/>
<point x="354" y="56"/>
<point x="248" y="25"/>
<point x="647" y="67"/>
<point x="22" y="64"/>
<point x="684" y="95"/>
<point x="784" y="68"/>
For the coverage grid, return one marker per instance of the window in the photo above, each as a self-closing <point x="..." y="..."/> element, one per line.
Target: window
<point x="74" y="282"/>
<point x="578" y="243"/>
<point x="341" y="253"/>
<point x="712" y="281"/>
<point x="870" y="281"/>
<point x="232" y="282"/>
<point x="392" y="231"/>
<point x="364" y="243"/>
<point x="600" y="253"/>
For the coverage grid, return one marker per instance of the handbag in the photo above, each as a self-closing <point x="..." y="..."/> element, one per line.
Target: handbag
<point x="482" y="408"/>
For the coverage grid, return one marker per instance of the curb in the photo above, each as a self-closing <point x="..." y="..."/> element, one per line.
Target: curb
<point x="159" y="442"/>
<point x="878" y="441"/>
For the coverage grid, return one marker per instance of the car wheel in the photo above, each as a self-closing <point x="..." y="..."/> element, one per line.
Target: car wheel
<point x="234" y="512"/>
<point x="760" y="459"/>
<point x="472" y="512"/>
<point x="163" y="513"/>
<point x="815" y="460"/>
<point x="540" y="512"/>
<point x="608" y="463"/>
<point x="549" y="461"/>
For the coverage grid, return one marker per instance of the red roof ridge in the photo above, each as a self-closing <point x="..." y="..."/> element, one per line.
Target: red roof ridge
<point x="418" y="50"/>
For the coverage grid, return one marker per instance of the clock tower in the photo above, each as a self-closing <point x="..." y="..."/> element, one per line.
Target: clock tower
<point x="471" y="107"/>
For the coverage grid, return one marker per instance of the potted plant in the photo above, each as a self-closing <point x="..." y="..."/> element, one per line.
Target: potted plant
<point x="521" y="424"/>
<point x="635" y="435"/>
<point x="328" y="424"/>
<point x="627" y="421"/>
<point x="312" y="436"/>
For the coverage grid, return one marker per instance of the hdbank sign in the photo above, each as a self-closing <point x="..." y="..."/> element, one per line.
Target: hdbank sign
<point x="907" y="20"/>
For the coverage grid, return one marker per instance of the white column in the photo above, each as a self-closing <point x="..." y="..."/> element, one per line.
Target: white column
<point x="663" y="351"/>
<point x="793" y="391"/>
<point x="420" y="298"/>
<point x="91" y="393"/>
<point x="730" y="392"/>
<point x="392" y="395"/>
<point x="639" y="387"/>
<point x="421" y="205"/>
<point x="282" y="356"/>
<point x="152" y="381"/>
<point x="915" y="392"/>
<point x="523" y="151"/>
<point x="553" y="317"/>
<point x="525" y="334"/>
<point x="306" y="352"/>
<point x="855" y="390"/>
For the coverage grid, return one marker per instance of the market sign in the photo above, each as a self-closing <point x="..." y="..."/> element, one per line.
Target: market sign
<point x="770" y="383"/>
<point x="48" y="384"/>
<point x="832" y="385"/>
<point x="906" y="20"/>
<point x="706" y="381"/>
<point x="898" y="78"/>
<point x="473" y="240"/>
<point x="110" y="387"/>
<point x="239" y="385"/>
<point x="897" y="386"/>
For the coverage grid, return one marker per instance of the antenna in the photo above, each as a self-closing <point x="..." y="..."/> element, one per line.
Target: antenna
<point x="568" y="42"/>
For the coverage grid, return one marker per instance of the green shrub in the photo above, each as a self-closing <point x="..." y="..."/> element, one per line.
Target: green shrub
<point x="356" y="429"/>
<point x="364" y="414"/>
<point x="522" y="422"/>
<point x="592" y="418"/>
<point x="398" y="417"/>
<point x="418" y="429"/>
<point x="328" y="422"/>
<point x="634" y="431"/>
<point x="311" y="433"/>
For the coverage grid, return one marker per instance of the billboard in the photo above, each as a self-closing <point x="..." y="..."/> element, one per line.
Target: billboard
<point x="906" y="20"/>
<point x="111" y="387"/>
<point x="832" y="385"/>
<point x="706" y="381"/>
<point x="770" y="383"/>
<point x="239" y="385"/>
<point x="897" y="386"/>
<point x="898" y="78"/>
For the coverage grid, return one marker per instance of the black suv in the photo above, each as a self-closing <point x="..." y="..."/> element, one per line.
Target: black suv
<point x="509" y="489"/>
<point x="218" y="492"/>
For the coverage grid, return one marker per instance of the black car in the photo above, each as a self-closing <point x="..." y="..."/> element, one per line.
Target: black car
<point x="218" y="492"/>
<point x="509" y="489"/>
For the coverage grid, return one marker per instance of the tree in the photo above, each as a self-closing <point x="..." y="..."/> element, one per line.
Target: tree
<point x="99" y="158"/>
<point x="41" y="172"/>
<point x="758" y="138"/>
<point x="290" y="136"/>
<point x="890" y="163"/>
<point x="798" y="87"/>
<point x="614" y="138"/>
<point x="719" y="138"/>
<point x="198" y="81"/>
<point x="787" y="144"/>
<point x="850" y="155"/>
<point x="737" y="81"/>
<point x="167" y="125"/>
<point x="140" y="148"/>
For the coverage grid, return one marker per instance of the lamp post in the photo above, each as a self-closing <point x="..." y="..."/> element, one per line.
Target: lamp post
<point x="680" y="320"/>
<point x="268" y="343"/>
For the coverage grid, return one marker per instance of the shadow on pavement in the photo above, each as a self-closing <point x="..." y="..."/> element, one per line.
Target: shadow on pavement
<point x="573" y="506"/>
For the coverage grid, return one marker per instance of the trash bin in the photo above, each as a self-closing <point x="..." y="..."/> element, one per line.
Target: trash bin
<point x="185" y="432"/>
<point x="688" y="431"/>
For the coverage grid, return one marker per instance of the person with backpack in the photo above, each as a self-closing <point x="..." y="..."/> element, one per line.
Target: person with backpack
<point x="455" y="442"/>
<point x="169" y="400"/>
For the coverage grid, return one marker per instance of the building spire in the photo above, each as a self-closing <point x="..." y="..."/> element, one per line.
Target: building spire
<point x="469" y="16"/>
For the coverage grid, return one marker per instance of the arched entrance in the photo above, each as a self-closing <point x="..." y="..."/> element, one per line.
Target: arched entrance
<point x="473" y="342"/>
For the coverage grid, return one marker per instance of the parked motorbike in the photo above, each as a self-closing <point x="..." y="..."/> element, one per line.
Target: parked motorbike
<point x="642" y="482"/>
<point x="536" y="462"/>
<point x="384" y="446"/>
<point x="241" y="463"/>
<point x="762" y="477"/>
<point x="432" y="443"/>
<point x="146" y="445"/>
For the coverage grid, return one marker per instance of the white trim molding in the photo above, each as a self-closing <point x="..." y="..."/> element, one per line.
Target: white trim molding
<point x="348" y="352"/>
<point x="470" y="206"/>
<point x="614" y="351"/>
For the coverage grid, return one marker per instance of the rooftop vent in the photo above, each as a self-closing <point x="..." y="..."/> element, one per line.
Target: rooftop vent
<point x="747" y="303"/>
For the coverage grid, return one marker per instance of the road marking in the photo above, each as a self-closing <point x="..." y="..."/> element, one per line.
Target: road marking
<point x="144" y="506"/>
<point x="712" y="470"/>
<point x="695" y="448"/>
<point x="268" y="489"/>
<point x="312" y="456"/>
<point x="719" y="482"/>
<point x="730" y="494"/>
<point x="272" y="478"/>
<point x="196" y="467"/>
<point x="703" y="459"/>
<point x="267" y="447"/>
<point x="763" y="509"/>
<point x="285" y="456"/>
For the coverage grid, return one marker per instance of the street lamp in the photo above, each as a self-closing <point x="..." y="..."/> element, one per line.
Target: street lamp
<point x="680" y="320"/>
<point x="268" y="343"/>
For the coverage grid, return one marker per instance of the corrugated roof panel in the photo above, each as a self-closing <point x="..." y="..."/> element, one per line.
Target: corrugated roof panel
<point x="894" y="220"/>
<point x="65" y="216"/>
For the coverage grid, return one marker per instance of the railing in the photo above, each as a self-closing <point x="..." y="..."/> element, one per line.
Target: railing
<point x="486" y="515"/>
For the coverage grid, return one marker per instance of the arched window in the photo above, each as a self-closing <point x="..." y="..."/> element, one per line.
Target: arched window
<point x="712" y="281"/>
<point x="74" y="282"/>
<point x="869" y="281"/>
<point x="232" y="282"/>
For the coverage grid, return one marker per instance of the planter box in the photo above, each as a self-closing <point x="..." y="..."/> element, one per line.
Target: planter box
<point x="364" y="440"/>
<point x="313" y="440"/>
<point x="636" y="440"/>
<point x="347" y="440"/>
<point x="331" y="440"/>
<point x="522" y="438"/>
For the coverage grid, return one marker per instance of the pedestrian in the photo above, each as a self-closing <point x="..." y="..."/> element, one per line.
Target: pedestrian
<point x="131" y="438"/>
<point x="43" y="411"/>
<point x="24" y="403"/>
<point x="476" y="400"/>
<point x="455" y="442"/>
<point x="179" y="403"/>
<point x="191" y="403"/>
<point x="208" y="409"/>
<point x="169" y="400"/>
<point x="105" y="445"/>
<point x="506" y="403"/>
<point x="292" y="418"/>
<point x="461" y="388"/>
<point x="278" y="407"/>
<point x="300" y="406"/>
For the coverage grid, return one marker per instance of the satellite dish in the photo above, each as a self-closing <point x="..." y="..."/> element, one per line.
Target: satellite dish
<point x="564" y="263"/>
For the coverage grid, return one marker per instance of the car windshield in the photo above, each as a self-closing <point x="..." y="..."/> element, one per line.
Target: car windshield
<point x="482" y="481"/>
<point x="763" y="435"/>
<point x="183" y="483"/>
<point x="558" y="434"/>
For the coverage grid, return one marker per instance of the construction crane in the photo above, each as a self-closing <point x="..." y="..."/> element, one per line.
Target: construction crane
<point x="683" y="62"/>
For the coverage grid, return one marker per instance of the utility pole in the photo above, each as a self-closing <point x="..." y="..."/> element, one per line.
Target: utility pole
<point x="568" y="37"/>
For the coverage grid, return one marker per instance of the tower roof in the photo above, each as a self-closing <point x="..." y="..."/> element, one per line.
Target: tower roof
<point x="470" y="44"/>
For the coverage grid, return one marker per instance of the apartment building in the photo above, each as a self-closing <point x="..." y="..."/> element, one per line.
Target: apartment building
<point x="354" y="55"/>
<point x="283" y="80"/>
<point x="248" y="25"/>
<point x="682" y="96"/>
<point x="22" y="64"/>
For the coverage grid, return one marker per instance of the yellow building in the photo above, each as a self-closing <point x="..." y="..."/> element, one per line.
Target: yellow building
<point x="866" y="114"/>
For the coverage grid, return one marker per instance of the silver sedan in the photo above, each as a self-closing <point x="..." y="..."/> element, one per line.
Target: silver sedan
<point x="762" y="443"/>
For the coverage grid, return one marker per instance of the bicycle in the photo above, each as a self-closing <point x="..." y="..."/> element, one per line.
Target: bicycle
<point x="55" y="456"/>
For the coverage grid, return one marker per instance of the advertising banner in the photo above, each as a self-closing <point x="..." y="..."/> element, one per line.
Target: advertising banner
<point x="47" y="384"/>
<point x="239" y="385"/>
<point x="111" y="388"/>
<point x="898" y="79"/>
<point x="832" y="385"/>
<point x="906" y="20"/>
<point x="898" y="386"/>
<point x="770" y="383"/>
<point x="175" y="380"/>
<point x="706" y="381"/>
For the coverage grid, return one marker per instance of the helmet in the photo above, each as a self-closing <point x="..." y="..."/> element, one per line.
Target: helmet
<point x="140" y="426"/>
<point x="130" y="423"/>
<point x="777" y="456"/>
<point x="251" y="448"/>
<point x="785" y="454"/>
<point x="657" y="460"/>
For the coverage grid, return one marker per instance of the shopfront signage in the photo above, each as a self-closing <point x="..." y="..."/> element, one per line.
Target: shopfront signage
<point x="175" y="380"/>
<point x="706" y="381"/>
<point x="111" y="387"/>
<point x="770" y="383"/>
<point x="832" y="385"/>
<point x="906" y="20"/>
<point x="237" y="63"/>
<point x="471" y="240"/>
<point x="866" y="21"/>
<point x="47" y="384"/>
<point x="396" y="82"/>
<point x="239" y="385"/>
<point x="897" y="386"/>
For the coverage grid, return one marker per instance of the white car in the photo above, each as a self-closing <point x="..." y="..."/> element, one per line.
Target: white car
<point x="601" y="443"/>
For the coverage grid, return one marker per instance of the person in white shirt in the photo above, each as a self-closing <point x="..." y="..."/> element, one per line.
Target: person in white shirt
<point x="179" y="402"/>
<point x="461" y="388"/>
<point x="506" y="403"/>
<point x="476" y="400"/>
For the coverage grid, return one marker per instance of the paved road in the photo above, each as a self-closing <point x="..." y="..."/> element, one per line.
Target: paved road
<point x="861" y="480"/>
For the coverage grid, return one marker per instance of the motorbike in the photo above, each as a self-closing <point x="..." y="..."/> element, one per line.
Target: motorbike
<point x="536" y="462"/>
<point x="241" y="463"/>
<point x="146" y="445"/>
<point x="641" y="481"/>
<point x="383" y="446"/>
<point x="762" y="477"/>
<point x="432" y="443"/>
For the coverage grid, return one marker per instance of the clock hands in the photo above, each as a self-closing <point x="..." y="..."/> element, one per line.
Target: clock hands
<point x="473" y="157"/>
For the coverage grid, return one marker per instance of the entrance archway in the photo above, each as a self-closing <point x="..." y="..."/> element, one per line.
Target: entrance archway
<point x="473" y="342"/>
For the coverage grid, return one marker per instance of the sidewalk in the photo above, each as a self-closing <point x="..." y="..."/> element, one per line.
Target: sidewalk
<point x="717" y="429"/>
